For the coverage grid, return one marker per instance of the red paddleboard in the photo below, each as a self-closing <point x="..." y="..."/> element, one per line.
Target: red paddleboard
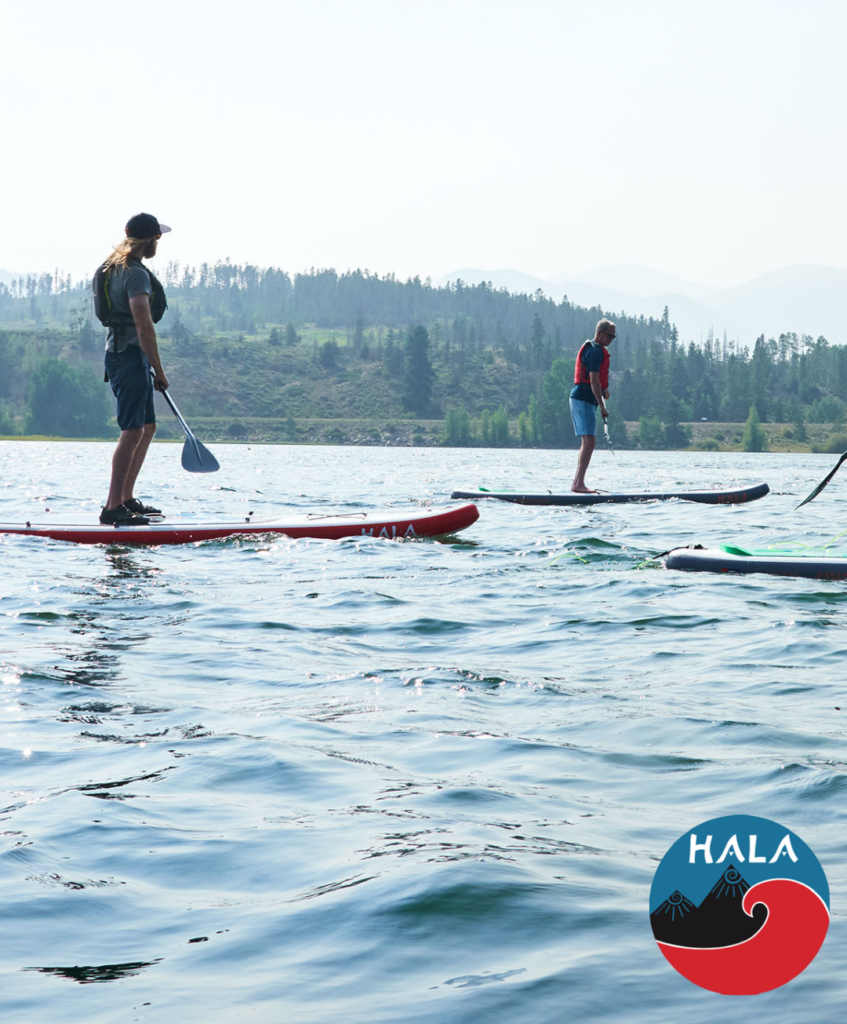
<point x="353" y="524"/>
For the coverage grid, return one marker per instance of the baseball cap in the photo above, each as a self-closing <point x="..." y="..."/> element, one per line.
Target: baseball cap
<point x="144" y="225"/>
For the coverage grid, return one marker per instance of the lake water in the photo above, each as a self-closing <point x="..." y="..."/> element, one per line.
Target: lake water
<point x="376" y="781"/>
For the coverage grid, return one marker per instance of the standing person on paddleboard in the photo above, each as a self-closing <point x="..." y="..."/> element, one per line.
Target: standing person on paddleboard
<point x="590" y="390"/>
<point x="128" y="299"/>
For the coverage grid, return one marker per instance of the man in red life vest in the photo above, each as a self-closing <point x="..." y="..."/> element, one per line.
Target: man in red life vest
<point x="590" y="390"/>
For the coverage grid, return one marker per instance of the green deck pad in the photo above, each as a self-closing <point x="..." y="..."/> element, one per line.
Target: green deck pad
<point x="783" y="552"/>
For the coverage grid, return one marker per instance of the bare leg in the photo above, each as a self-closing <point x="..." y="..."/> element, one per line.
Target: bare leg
<point x="121" y="462"/>
<point x="586" y="450"/>
<point x="137" y="460"/>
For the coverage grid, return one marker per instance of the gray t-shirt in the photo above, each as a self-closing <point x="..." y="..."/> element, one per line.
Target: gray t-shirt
<point x="124" y="284"/>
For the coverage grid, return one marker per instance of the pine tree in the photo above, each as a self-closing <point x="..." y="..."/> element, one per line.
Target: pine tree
<point x="329" y="355"/>
<point x="536" y="343"/>
<point x="799" y="424"/>
<point x="523" y="430"/>
<point x="650" y="433"/>
<point x="617" y="429"/>
<point x="485" y="428"/>
<point x="554" y="414"/>
<point x="674" y="434"/>
<point x="500" y="428"/>
<point x="456" y="426"/>
<point x="418" y="376"/>
<point x="754" y="438"/>
<point x="7" y="422"/>
<point x="534" y="424"/>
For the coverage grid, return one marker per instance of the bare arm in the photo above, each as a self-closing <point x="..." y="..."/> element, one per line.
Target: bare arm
<point x="140" y="308"/>
<point x="594" y="380"/>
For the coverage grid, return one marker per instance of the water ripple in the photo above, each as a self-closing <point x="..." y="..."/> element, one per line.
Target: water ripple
<point x="397" y="783"/>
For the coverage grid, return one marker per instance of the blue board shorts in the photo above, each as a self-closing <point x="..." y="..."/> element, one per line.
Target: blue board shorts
<point x="132" y="384"/>
<point x="584" y="416"/>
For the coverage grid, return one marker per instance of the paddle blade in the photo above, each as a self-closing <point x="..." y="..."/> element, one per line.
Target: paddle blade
<point x="196" y="458"/>
<point x="823" y="483"/>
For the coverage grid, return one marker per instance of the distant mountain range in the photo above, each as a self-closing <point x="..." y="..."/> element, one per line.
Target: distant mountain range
<point x="802" y="299"/>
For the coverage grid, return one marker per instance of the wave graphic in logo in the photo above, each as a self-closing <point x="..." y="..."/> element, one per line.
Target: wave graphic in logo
<point x="740" y="938"/>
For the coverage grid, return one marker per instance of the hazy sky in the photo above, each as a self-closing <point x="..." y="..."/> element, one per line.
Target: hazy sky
<point x="704" y="139"/>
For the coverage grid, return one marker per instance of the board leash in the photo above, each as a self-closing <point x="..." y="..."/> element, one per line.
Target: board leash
<point x="572" y="555"/>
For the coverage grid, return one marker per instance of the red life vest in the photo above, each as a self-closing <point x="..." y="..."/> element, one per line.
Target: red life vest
<point x="581" y="375"/>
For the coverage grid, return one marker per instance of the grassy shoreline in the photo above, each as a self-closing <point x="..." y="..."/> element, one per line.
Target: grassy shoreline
<point x="420" y="433"/>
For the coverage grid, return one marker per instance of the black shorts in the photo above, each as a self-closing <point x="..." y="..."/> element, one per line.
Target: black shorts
<point x="129" y="375"/>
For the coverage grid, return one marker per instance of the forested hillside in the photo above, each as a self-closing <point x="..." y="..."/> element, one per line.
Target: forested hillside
<point x="244" y="344"/>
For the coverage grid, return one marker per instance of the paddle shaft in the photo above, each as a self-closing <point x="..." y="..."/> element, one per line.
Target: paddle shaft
<point x="203" y="461"/>
<point x="177" y="413"/>
<point x="606" y="432"/>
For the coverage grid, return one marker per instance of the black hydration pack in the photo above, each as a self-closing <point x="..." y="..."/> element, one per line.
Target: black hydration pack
<point x="103" y="302"/>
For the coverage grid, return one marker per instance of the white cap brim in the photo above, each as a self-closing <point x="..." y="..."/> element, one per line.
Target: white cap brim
<point x="164" y="229"/>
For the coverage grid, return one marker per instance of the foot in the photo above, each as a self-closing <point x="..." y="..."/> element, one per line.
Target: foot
<point x="583" y="490"/>
<point x="139" y="509"/>
<point x="122" y="516"/>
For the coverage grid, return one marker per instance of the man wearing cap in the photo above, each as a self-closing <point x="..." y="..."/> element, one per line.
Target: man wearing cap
<point x="134" y="299"/>
<point x="590" y="390"/>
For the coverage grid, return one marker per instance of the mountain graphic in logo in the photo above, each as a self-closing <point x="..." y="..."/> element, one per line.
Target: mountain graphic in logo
<point x="719" y="920"/>
<point x="747" y="933"/>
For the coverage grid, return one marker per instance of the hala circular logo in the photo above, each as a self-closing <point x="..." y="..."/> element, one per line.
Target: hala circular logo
<point x="739" y="905"/>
